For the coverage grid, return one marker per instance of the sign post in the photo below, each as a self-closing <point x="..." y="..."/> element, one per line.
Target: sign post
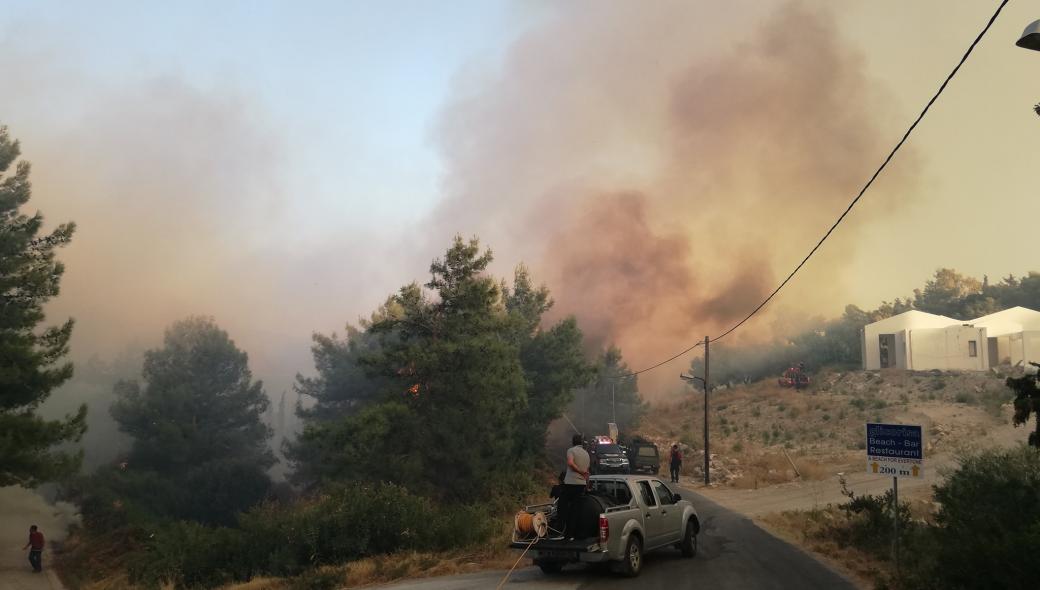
<point x="896" y="450"/>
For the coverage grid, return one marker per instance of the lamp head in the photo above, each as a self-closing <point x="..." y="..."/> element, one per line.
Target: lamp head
<point x="1031" y="37"/>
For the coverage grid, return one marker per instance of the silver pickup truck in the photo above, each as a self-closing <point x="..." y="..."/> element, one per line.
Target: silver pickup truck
<point x="617" y="520"/>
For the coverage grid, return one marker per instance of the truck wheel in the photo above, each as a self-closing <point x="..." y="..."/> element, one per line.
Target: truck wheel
<point x="633" y="560"/>
<point x="688" y="546"/>
<point x="550" y="567"/>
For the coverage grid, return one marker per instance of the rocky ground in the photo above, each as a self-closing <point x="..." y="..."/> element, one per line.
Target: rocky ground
<point x="763" y="435"/>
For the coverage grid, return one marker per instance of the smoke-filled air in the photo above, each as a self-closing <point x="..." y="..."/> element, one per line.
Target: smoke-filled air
<point x="659" y="170"/>
<point x="663" y="170"/>
<point x="344" y="294"/>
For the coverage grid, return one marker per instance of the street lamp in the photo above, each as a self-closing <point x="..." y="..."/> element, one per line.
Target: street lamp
<point x="1031" y="37"/>
<point x="1031" y="40"/>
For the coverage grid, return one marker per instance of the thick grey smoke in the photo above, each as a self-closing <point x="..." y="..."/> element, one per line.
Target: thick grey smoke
<point x="662" y="165"/>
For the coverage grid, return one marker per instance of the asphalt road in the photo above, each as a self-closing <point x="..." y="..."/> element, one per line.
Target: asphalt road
<point x="733" y="553"/>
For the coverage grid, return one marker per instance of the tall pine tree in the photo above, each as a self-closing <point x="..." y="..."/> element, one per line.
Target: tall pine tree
<point x="199" y="442"/>
<point x="31" y="364"/>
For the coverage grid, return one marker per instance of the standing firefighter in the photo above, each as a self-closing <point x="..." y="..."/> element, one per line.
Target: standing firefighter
<point x="35" y="547"/>
<point x="574" y="483"/>
<point x="675" y="462"/>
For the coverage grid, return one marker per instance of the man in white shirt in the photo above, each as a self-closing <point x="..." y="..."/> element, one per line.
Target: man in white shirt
<point x="574" y="483"/>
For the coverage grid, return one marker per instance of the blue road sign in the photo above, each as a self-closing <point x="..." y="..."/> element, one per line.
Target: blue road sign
<point x="895" y="449"/>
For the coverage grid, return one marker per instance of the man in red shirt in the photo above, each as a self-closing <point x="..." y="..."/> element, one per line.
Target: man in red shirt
<point x="35" y="546"/>
<point x="675" y="461"/>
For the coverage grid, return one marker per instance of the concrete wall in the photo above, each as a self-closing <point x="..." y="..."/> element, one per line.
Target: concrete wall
<point x="898" y="326"/>
<point x="947" y="349"/>
<point x="1015" y="343"/>
<point x="1031" y="346"/>
<point x="901" y="350"/>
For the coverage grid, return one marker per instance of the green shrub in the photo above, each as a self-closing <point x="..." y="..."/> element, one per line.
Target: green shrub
<point x="189" y="555"/>
<point x="340" y="525"/>
<point x="988" y="532"/>
<point x="964" y="398"/>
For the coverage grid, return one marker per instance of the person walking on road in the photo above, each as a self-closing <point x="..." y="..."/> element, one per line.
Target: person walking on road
<point x="675" y="462"/>
<point x="35" y="547"/>
<point x="574" y="483"/>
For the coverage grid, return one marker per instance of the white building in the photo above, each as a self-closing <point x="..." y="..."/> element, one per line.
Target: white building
<point x="923" y="341"/>
<point x="1013" y="336"/>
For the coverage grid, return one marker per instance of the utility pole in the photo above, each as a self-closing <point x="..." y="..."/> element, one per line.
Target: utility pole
<point x="704" y="381"/>
<point x="707" y="454"/>
<point x="613" y="415"/>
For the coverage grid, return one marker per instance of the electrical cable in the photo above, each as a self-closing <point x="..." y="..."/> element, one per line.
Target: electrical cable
<point x="848" y="209"/>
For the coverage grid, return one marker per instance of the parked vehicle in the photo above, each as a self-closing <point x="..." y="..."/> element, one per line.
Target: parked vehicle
<point x="643" y="457"/>
<point x="606" y="457"/>
<point x="619" y="519"/>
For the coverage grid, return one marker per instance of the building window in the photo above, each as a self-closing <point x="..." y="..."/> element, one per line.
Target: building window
<point x="973" y="348"/>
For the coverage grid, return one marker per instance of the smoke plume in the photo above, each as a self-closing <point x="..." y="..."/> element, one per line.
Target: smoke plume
<point x="662" y="165"/>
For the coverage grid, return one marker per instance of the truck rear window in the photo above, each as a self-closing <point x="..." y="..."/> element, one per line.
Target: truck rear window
<point x="648" y="452"/>
<point x="615" y="490"/>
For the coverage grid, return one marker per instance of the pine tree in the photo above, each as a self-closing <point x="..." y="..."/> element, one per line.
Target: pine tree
<point x="31" y="363"/>
<point x="199" y="442"/>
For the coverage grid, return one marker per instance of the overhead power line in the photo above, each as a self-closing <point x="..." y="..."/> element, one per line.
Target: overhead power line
<point x="848" y="209"/>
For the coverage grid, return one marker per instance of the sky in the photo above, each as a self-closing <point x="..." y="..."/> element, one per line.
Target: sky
<point x="285" y="167"/>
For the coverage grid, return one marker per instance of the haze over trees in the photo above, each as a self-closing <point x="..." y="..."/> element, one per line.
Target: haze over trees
<point x="838" y="343"/>
<point x="32" y="358"/>
<point x="432" y="413"/>
<point x="198" y="447"/>
<point x="609" y="397"/>
<point x="446" y="394"/>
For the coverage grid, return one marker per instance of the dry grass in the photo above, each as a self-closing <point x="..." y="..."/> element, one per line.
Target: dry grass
<point x="116" y="581"/>
<point x="808" y="529"/>
<point x="821" y="428"/>
<point x="260" y="584"/>
<point x="771" y="468"/>
<point x="384" y="569"/>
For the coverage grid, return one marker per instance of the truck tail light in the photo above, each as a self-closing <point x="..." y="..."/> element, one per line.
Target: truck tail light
<point x="604" y="528"/>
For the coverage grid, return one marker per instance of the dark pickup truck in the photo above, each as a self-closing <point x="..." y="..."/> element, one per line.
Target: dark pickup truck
<point x="644" y="458"/>
<point x="607" y="458"/>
